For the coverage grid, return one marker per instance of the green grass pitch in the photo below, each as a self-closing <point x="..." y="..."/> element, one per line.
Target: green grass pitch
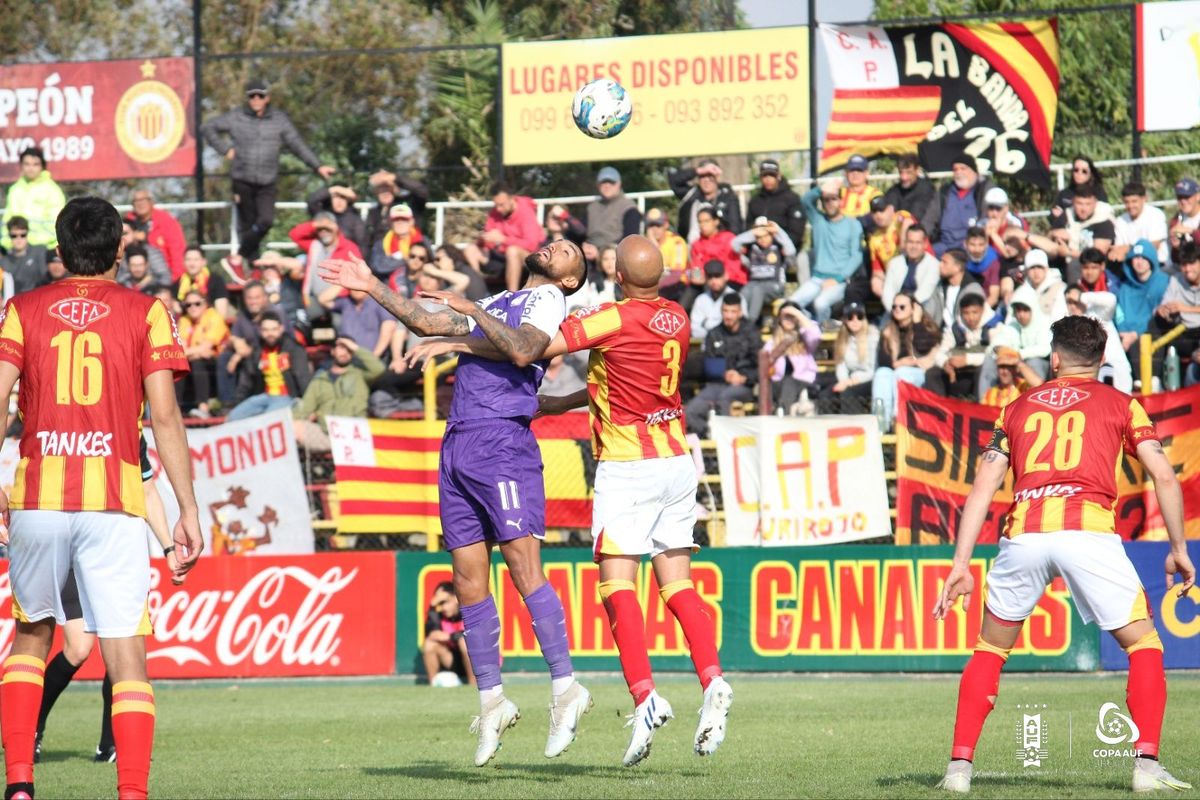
<point x="790" y="736"/>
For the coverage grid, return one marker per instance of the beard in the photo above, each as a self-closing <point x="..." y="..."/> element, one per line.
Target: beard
<point x="538" y="263"/>
<point x="964" y="182"/>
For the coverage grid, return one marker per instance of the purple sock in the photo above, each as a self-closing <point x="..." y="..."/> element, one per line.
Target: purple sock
<point x="481" y="627"/>
<point x="550" y="626"/>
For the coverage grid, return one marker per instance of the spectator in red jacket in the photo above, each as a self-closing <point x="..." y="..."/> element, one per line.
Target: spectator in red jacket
<point x="157" y="228"/>
<point x="714" y="244"/>
<point x="511" y="233"/>
<point x="320" y="239"/>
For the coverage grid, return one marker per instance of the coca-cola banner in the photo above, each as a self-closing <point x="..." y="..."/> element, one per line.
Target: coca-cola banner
<point x="327" y="614"/>
<point x="99" y="120"/>
<point x="249" y="487"/>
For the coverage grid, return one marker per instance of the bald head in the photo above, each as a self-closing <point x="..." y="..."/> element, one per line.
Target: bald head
<point x="639" y="263"/>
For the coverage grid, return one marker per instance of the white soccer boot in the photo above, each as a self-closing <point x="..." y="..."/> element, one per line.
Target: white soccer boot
<point x="718" y="698"/>
<point x="652" y="713"/>
<point x="497" y="717"/>
<point x="566" y="711"/>
<point x="1150" y="776"/>
<point x="958" y="777"/>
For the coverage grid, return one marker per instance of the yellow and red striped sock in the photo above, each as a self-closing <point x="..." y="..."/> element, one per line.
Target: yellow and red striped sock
<point x="629" y="632"/>
<point x="133" y="735"/>
<point x="20" y="700"/>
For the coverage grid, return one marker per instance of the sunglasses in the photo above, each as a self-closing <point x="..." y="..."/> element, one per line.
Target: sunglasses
<point x="857" y="315"/>
<point x="256" y="95"/>
<point x="18" y="235"/>
<point x="1084" y="170"/>
<point x="901" y="308"/>
<point x="416" y="258"/>
<point x="193" y="305"/>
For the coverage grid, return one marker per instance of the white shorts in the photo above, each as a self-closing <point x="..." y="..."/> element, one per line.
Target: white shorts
<point x="111" y="559"/>
<point x="1101" y="578"/>
<point x="644" y="507"/>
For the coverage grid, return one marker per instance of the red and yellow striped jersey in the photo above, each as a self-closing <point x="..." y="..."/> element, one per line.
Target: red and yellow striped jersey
<point x="638" y="351"/>
<point x="1065" y="441"/>
<point x="83" y="347"/>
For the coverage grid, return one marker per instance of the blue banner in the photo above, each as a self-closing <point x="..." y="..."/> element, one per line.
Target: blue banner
<point x="1177" y="618"/>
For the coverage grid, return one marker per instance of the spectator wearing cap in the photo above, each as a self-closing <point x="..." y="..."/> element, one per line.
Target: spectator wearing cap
<point x="1094" y="275"/>
<point x="1140" y="221"/>
<point x="837" y="249"/>
<point x="1140" y="293"/>
<point x="1181" y="306"/>
<point x="965" y="341"/>
<point x="706" y="309"/>
<point x="36" y="198"/>
<point x="56" y="270"/>
<point x="915" y="271"/>
<point x="1087" y="223"/>
<point x="1006" y="231"/>
<point x="714" y="242"/>
<point x="914" y="193"/>
<point x="702" y="187"/>
<point x="674" y="251"/>
<point x="855" y="351"/>
<point x="390" y="188"/>
<point x="1013" y="377"/>
<point x="953" y="280"/>
<point x="885" y="239"/>
<point x="391" y="251"/>
<point x="339" y="201"/>
<point x="157" y="228"/>
<point x="765" y="251"/>
<point x="960" y="200"/>
<point x="1027" y="331"/>
<point x="511" y="233"/>
<point x="787" y="369"/>
<point x="1187" y="221"/>
<point x="983" y="263"/>
<point x="320" y="239"/>
<point x="610" y="217"/>
<point x="730" y="366"/>
<point x="1047" y="284"/>
<point x="24" y="262"/>
<point x="252" y="137"/>
<point x="776" y="201"/>
<point x="857" y="194"/>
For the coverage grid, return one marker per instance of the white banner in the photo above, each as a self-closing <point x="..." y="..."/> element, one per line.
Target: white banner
<point x="801" y="481"/>
<point x="1168" y="65"/>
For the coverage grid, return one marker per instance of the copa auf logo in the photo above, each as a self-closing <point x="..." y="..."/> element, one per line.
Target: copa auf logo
<point x="1114" y="728"/>
<point x="1031" y="735"/>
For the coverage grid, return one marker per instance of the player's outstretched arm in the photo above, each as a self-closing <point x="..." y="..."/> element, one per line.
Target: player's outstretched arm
<point x="1170" y="502"/>
<point x="355" y="274"/>
<point x="171" y="441"/>
<point x="476" y="346"/>
<point x="522" y="345"/>
<point x="959" y="583"/>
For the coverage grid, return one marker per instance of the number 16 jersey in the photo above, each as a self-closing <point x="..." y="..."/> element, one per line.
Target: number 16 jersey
<point x="83" y="347"/>
<point x="1065" y="441"/>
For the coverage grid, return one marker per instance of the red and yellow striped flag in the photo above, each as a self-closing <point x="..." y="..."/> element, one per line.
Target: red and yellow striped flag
<point x="872" y="122"/>
<point x="387" y="474"/>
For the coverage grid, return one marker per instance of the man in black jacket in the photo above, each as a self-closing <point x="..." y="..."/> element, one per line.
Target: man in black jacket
<point x="252" y="137"/>
<point x="730" y="366"/>
<point x="707" y="190"/>
<point x="276" y="373"/>
<point x="776" y="201"/>
<point x="914" y="193"/>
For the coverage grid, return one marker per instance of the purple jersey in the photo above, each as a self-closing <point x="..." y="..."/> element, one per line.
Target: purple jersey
<point x="486" y="389"/>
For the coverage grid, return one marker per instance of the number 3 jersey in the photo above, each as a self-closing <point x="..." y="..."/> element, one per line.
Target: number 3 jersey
<point x="1065" y="441"/>
<point x="83" y="347"/>
<point x="638" y="351"/>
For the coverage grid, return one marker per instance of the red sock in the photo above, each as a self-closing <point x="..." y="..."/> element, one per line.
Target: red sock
<point x="698" y="628"/>
<point x="629" y="630"/>
<point x="133" y="735"/>
<point x="976" y="698"/>
<point x="1146" y="696"/>
<point x="20" y="700"/>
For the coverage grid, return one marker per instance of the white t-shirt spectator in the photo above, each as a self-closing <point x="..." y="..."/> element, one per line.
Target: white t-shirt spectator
<point x="1151" y="225"/>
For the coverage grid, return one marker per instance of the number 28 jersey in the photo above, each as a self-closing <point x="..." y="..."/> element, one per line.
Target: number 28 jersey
<point x="1065" y="441"/>
<point x="638" y="351"/>
<point x="83" y="347"/>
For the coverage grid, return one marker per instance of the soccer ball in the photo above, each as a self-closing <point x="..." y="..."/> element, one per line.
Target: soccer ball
<point x="446" y="680"/>
<point x="601" y="108"/>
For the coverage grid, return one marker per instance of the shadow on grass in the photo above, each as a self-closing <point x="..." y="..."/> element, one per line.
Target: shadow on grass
<point x="58" y="756"/>
<point x="548" y="773"/>
<point x="928" y="780"/>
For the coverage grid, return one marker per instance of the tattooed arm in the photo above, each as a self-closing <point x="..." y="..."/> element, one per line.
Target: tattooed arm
<point x="355" y="274"/>
<point x="522" y="345"/>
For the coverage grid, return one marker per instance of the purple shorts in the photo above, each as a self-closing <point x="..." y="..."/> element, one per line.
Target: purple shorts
<point x="490" y="483"/>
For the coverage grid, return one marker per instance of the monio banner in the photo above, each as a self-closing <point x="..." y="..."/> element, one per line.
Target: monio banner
<point x="988" y="89"/>
<point x="852" y="607"/>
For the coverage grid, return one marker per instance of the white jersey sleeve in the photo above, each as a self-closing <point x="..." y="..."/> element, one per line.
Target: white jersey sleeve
<point x="545" y="309"/>
<point x="484" y="303"/>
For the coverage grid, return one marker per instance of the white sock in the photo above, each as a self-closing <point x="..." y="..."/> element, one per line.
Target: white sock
<point x="488" y="695"/>
<point x="560" y="685"/>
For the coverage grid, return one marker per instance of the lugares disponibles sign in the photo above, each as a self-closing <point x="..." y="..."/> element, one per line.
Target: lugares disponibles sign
<point x="853" y="608"/>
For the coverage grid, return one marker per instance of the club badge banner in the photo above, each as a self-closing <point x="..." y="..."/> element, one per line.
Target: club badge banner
<point x="791" y="481"/>
<point x="1168" y="65"/>
<point x="939" y="442"/>
<point x="989" y="90"/>
<point x="99" y="120"/>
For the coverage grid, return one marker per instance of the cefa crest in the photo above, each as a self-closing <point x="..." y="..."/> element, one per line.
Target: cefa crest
<point x="79" y="312"/>
<point x="666" y="323"/>
<point x="1059" y="394"/>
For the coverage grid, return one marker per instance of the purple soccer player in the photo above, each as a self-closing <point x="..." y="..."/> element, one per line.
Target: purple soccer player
<point x="490" y="480"/>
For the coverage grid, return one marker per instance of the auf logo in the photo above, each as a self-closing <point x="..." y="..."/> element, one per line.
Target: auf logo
<point x="1115" y="727"/>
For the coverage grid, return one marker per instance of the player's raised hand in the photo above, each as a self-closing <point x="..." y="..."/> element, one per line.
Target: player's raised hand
<point x="188" y="543"/>
<point x="426" y="350"/>
<point x="959" y="583"/>
<point x="455" y="302"/>
<point x="1180" y="563"/>
<point x="351" y="273"/>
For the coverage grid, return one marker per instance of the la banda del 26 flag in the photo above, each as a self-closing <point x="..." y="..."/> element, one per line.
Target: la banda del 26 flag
<point x="988" y="90"/>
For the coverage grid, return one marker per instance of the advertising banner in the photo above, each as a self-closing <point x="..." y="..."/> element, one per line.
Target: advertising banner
<point x="718" y="92"/>
<point x="1176" y="618"/>
<point x="793" y="481"/>
<point x="99" y="120"/>
<point x="289" y="616"/>
<point x="1168" y="65"/>
<point x="987" y="89"/>
<point x="853" y="607"/>
<point x="248" y="485"/>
